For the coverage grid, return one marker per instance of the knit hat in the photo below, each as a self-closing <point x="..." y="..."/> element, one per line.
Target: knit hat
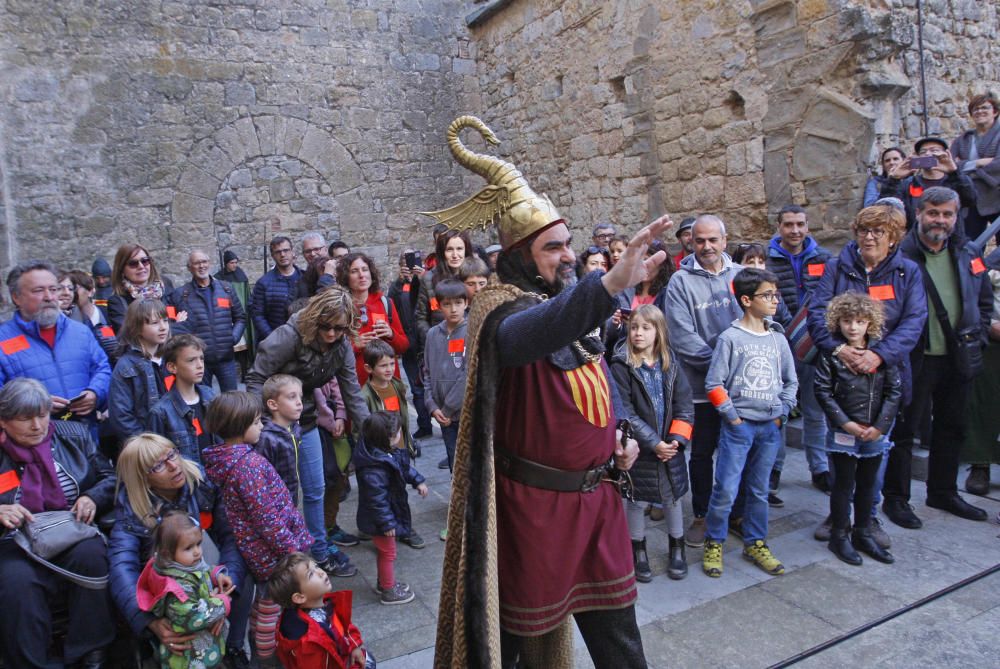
<point x="506" y="201"/>
<point x="228" y="257"/>
<point x="100" y="267"/>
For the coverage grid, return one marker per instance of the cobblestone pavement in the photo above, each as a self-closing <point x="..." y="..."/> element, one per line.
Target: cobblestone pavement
<point x="762" y="619"/>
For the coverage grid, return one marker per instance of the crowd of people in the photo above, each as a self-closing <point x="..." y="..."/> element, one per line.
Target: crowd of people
<point x="121" y="409"/>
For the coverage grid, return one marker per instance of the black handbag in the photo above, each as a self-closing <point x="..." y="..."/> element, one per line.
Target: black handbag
<point x="52" y="533"/>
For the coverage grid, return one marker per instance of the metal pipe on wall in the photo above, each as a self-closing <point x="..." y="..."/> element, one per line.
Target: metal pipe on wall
<point x="923" y="79"/>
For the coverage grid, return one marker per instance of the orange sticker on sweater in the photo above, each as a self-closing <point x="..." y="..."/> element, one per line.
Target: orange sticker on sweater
<point x="14" y="344"/>
<point x="683" y="428"/>
<point x="977" y="266"/>
<point x="168" y="382"/>
<point x="718" y="396"/>
<point x="106" y="331"/>
<point x="205" y="519"/>
<point x="406" y="287"/>
<point x="434" y="304"/>
<point x="171" y="312"/>
<point x="391" y="404"/>
<point x="9" y="481"/>
<point x="196" y="424"/>
<point x="882" y="293"/>
<point x="223" y="302"/>
<point x="816" y="269"/>
<point x="456" y="346"/>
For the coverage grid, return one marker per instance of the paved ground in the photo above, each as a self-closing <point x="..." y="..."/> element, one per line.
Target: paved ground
<point x="747" y="618"/>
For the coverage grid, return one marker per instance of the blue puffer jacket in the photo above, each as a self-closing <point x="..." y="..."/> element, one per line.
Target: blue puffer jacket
<point x="136" y="386"/>
<point x="797" y="275"/>
<point x="215" y="315"/>
<point x="75" y="364"/>
<point x="172" y="418"/>
<point x="269" y="303"/>
<point x="131" y="545"/>
<point x="382" y="498"/>
<point x="897" y="284"/>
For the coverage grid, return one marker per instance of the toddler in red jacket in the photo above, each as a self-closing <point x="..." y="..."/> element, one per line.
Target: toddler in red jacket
<point x="315" y="629"/>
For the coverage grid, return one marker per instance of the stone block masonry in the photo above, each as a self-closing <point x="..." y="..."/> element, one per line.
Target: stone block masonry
<point x="197" y="123"/>
<point x="194" y="123"/>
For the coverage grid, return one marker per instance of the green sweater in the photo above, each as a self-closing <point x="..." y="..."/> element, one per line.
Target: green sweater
<point x="945" y="278"/>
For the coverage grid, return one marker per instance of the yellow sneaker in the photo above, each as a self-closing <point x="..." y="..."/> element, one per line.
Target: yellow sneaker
<point x="760" y="555"/>
<point x="711" y="561"/>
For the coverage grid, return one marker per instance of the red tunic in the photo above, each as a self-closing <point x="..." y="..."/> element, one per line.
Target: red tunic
<point x="558" y="552"/>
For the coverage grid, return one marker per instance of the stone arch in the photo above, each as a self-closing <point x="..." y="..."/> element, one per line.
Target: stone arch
<point x="214" y="158"/>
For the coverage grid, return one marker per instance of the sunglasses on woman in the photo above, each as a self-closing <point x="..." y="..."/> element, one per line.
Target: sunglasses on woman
<point x="136" y="262"/>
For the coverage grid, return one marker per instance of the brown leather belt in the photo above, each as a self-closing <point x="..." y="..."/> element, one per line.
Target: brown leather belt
<point x="548" y="478"/>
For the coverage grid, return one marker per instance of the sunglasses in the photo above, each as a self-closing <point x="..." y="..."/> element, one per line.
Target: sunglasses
<point x="339" y="329"/>
<point x="136" y="262"/>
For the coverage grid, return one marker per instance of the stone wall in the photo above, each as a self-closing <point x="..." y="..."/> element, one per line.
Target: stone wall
<point x="626" y="110"/>
<point x="194" y="122"/>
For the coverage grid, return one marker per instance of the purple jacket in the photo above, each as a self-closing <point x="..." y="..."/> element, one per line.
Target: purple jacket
<point x="265" y="522"/>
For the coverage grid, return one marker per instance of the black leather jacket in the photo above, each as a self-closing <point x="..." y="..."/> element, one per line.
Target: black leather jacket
<point x="867" y="399"/>
<point x="75" y="451"/>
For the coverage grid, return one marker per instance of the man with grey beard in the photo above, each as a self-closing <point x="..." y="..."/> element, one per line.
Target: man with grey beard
<point x="39" y="342"/>
<point x="944" y="361"/>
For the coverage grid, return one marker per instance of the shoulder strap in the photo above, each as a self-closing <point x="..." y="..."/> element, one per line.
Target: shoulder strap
<point x="88" y="582"/>
<point x="939" y="310"/>
<point x="388" y="308"/>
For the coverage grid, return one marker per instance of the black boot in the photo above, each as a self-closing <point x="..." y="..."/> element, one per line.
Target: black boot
<point x="643" y="573"/>
<point x="774" y="481"/>
<point x="862" y="539"/>
<point x="841" y="546"/>
<point x="677" y="567"/>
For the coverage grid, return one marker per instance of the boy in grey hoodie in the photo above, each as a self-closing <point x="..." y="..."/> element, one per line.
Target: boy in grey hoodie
<point x="752" y="384"/>
<point x="445" y="365"/>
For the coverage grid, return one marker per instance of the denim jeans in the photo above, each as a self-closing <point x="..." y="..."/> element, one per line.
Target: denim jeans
<point x="745" y="451"/>
<point x="450" y="436"/>
<point x="813" y="420"/>
<point x="226" y="373"/>
<point x="410" y="367"/>
<point x="313" y="484"/>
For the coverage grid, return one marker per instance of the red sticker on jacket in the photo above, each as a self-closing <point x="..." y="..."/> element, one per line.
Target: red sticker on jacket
<point x="171" y="312"/>
<point x="882" y="293"/>
<point x="168" y="382"/>
<point x="14" y="344"/>
<point x="9" y="481"/>
<point x="106" y="331"/>
<point x="456" y="346"/>
<point x="406" y="287"/>
<point x="391" y="403"/>
<point x="434" y="304"/>
<point x="915" y="190"/>
<point x="196" y="424"/>
<point x="977" y="266"/>
<point x="205" y="519"/>
<point x="816" y="269"/>
<point x="378" y="318"/>
<point x="223" y="302"/>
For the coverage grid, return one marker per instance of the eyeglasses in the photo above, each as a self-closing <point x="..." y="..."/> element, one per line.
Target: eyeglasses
<point x="135" y="262"/>
<point x="339" y="329"/>
<point x="876" y="233"/>
<point x="309" y="252"/>
<point x="770" y="296"/>
<point x="607" y="235"/>
<point x="171" y="456"/>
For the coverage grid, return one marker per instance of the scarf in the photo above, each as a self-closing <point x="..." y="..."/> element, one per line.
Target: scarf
<point x="40" y="489"/>
<point x="151" y="291"/>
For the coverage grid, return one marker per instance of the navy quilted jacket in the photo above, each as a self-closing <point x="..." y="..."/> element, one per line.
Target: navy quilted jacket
<point x="269" y="303"/>
<point x="795" y="283"/>
<point x="215" y="315"/>
<point x="75" y="364"/>
<point x="382" y="498"/>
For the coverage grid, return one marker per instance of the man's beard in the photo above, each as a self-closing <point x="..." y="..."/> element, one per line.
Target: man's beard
<point x="47" y="316"/>
<point x="935" y="233"/>
<point x="517" y="268"/>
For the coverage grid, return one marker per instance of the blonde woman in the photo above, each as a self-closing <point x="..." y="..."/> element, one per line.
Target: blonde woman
<point x="314" y="346"/>
<point x="153" y="478"/>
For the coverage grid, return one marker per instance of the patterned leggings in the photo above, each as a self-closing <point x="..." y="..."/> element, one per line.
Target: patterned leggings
<point x="264" y="625"/>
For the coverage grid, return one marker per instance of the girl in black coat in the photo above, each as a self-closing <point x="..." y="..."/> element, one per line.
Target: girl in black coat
<point x="657" y="401"/>
<point x="860" y="409"/>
